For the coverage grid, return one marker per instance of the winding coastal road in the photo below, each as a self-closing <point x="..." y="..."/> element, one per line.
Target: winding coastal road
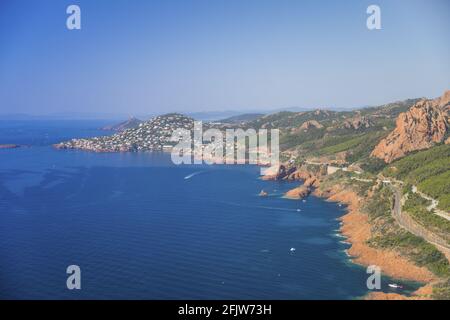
<point x="406" y="222"/>
<point x="434" y="203"/>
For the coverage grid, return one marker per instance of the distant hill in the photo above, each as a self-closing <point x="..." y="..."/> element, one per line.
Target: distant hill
<point x="429" y="170"/>
<point x="211" y="115"/>
<point x="337" y="137"/>
<point x="129" y="124"/>
<point x="242" y="118"/>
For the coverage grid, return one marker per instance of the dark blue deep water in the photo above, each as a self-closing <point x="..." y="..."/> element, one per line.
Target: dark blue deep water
<point x="140" y="229"/>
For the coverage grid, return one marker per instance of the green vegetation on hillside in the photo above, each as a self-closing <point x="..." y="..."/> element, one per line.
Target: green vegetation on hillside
<point x="373" y="165"/>
<point x="416" y="207"/>
<point x="319" y="142"/>
<point x="415" y="248"/>
<point x="391" y="109"/>
<point x="361" y="152"/>
<point x="429" y="170"/>
<point x="441" y="291"/>
<point x="343" y="146"/>
<point x="288" y="141"/>
<point x="380" y="204"/>
<point x="287" y="119"/>
<point x="438" y="187"/>
<point x="334" y="136"/>
<point x="418" y="166"/>
<point x="388" y="235"/>
<point x="348" y="136"/>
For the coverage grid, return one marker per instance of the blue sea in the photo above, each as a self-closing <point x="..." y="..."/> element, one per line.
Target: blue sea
<point x="140" y="227"/>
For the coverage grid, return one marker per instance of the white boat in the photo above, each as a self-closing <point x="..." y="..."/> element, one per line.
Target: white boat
<point x="292" y="250"/>
<point x="394" y="285"/>
<point x="298" y="210"/>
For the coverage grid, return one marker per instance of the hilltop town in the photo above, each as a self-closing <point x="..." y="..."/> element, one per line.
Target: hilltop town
<point x="152" y="135"/>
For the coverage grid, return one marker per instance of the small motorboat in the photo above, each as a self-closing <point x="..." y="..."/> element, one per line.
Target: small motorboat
<point x="263" y="194"/>
<point x="394" y="285"/>
<point x="292" y="250"/>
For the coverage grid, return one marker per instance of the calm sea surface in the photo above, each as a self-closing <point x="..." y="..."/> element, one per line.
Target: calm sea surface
<point x="142" y="228"/>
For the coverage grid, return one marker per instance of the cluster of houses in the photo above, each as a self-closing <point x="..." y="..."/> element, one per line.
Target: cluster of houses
<point x="157" y="134"/>
<point x="152" y="135"/>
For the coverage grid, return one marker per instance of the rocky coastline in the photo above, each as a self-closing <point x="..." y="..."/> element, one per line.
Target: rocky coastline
<point x="356" y="228"/>
<point x="9" y="146"/>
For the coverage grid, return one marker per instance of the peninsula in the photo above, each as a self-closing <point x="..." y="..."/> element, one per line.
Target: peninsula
<point x="9" y="146"/>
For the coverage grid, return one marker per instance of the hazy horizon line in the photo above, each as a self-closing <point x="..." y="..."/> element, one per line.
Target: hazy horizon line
<point x="86" y="115"/>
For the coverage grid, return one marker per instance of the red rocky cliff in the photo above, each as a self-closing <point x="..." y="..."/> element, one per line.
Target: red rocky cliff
<point x="425" y="124"/>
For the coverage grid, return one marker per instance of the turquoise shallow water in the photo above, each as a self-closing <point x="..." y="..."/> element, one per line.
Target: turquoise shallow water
<point x="141" y="228"/>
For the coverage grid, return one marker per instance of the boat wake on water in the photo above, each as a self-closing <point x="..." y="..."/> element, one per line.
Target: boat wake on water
<point x="192" y="175"/>
<point x="258" y="207"/>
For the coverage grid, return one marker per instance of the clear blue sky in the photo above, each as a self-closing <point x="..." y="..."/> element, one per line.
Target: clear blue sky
<point x="194" y="55"/>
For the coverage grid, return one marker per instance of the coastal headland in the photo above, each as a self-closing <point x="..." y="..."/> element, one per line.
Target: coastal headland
<point x="356" y="228"/>
<point x="9" y="146"/>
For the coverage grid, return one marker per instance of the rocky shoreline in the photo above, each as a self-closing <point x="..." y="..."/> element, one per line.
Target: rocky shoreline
<point x="9" y="146"/>
<point x="290" y="173"/>
<point x="356" y="228"/>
